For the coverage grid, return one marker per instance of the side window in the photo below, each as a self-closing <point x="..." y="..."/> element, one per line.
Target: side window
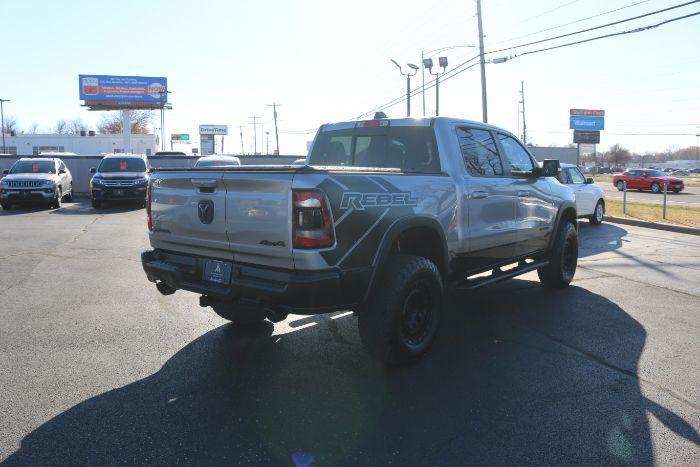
<point x="479" y="152"/>
<point x="516" y="156"/>
<point x="576" y="176"/>
<point x="564" y="177"/>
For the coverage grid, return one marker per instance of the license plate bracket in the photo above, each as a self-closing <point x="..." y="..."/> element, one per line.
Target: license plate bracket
<point x="217" y="271"/>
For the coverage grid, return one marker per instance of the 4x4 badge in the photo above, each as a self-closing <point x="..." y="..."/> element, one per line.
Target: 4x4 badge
<point x="205" y="211"/>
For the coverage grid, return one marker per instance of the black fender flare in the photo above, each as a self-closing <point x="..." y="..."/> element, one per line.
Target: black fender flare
<point x="557" y="222"/>
<point x="393" y="232"/>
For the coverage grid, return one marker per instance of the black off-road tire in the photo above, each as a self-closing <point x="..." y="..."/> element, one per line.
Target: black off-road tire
<point x="597" y="217"/>
<point x="402" y="315"/>
<point x="96" y="203"/>
<point x="69" y="196"/>
<point x="562" y="263"/>
<point x="238" y="314"/>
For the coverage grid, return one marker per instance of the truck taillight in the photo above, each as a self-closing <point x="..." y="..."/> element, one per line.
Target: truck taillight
<point x="311" y="220"/>
<point x="148" y="208"/>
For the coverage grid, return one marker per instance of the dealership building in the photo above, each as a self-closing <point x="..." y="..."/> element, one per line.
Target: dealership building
<point x="87" y="144"/>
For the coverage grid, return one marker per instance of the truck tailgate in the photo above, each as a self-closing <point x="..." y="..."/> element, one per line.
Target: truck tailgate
<point x="250" y="214"/>
<point x="188" y="210"/>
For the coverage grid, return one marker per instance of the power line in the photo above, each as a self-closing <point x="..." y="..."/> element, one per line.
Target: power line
<point x="546" y="12"/>
<point x="595" y="27"/>
<point x="572" y="22"/>
<point x="631" y="31"/>
<point x="398" y="100"/>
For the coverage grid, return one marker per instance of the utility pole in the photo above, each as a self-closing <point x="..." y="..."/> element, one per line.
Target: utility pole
<point x="277" y="136"/>
<point x="2" y="123"/>
<point x="522" y="101"/>
<point x="255" y="133"/>
<point x="422" y="72"/>
<point x="483" y="63"/>
<point x="240" y="128"/>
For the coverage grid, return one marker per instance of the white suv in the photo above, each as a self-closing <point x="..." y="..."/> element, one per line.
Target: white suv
<point x="590" y="199"/>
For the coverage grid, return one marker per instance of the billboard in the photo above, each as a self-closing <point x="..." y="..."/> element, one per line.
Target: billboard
<point x="123" y="90"/>
<point x="213" y="129"/>
<point x="586" y="123"/>
<point x="207" y="144"/>
<point x="586" y="137"/>
<point x="180" y="137"/>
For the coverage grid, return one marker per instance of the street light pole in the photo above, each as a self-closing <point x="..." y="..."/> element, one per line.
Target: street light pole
<point x="428" y="63"/>
<point x="408" y="83"/>
<point x="422" y="72"/>
<point x="423" y="53"/>
<point x="2" y="123"/>
<point x="483" y="63"/>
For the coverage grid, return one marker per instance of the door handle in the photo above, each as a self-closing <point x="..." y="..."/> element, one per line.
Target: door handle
<point x="523" y="193"/>
<point x="479" y="195"/>
<point x="204" y="182"/>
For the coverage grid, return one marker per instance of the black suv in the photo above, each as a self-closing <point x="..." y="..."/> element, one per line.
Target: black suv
<point x="120" y="177"/>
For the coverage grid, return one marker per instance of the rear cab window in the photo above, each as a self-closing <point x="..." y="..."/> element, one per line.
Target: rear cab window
<point x="408" y="148"/>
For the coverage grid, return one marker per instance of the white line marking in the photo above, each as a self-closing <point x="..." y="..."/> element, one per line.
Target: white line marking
<point x="377" y="183"/>
<point x="339" y="184"/>
<point x="342" y="315"/>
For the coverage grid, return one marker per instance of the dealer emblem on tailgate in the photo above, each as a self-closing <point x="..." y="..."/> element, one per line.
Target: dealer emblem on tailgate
<point x="205" y="210"/>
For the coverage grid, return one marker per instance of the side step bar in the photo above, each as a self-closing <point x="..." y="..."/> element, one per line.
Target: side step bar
<point x="498" y="275"/>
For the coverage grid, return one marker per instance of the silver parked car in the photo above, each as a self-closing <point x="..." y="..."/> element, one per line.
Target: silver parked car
<point x="44" y="180"/>
<point x="217" y="161"/>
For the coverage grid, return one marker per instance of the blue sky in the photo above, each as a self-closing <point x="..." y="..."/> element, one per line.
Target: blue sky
<point x="327" y="61"/>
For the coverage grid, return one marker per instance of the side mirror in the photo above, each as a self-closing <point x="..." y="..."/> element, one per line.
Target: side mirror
<point x="589" y="181"/>
<point x="6" y="171"/>
<point x="93" y="170"/>
<point x="61" y="171"/>
<point x="550" y="168"/>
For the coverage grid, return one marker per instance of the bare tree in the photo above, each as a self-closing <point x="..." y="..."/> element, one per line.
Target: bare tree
<point x="111" y="123"/>
<point x="33" y="128"/>
<point x="76" y="125"/>
<point x="617" y="155"/>
<point x="61" y="127"/>
<point x="10" y="125"/>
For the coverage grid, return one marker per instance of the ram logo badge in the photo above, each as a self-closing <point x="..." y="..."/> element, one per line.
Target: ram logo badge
<point x="360" y="201"/>
<point x="205" y="211"/>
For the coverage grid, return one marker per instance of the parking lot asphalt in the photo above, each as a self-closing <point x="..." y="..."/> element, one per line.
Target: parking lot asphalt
<point x="690" y="197"/>
<point x="98" y="368"/>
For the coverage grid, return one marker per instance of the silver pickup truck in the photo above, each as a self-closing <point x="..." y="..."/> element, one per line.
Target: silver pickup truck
<point x="383" y="218"/>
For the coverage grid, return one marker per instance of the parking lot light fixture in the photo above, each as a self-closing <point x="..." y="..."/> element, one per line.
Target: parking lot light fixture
<point x="442" y="63"/>
<point x="408" y="82"/>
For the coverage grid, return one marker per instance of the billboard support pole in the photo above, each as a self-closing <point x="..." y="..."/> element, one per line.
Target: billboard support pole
<point x="126" y="129"/>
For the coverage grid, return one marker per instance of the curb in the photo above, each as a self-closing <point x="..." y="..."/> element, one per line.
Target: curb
<point x="653" y="225"/>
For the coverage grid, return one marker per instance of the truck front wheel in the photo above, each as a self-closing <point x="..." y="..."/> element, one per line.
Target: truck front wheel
<point x="562" y="263"/>
<point x="238" y="314"/>
<point x="402" y="315"/>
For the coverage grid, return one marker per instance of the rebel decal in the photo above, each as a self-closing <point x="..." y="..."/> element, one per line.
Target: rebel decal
<point x="360" y="201"/>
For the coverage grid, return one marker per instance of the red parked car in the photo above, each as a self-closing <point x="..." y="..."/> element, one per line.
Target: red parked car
<point x="647" y="179"/>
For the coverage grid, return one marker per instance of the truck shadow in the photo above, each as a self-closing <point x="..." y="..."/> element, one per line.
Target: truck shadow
<point x="82" y="207"/>
<point x="596" y="239"/>
<point x="518" y="375"/>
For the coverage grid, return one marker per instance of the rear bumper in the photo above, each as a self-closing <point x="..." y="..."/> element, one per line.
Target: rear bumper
<point x="300" y="292"/>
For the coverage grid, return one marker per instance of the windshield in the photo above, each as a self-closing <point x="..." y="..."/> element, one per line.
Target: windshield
<point x="114" y="164"/>
<point x="37" y="167"/>
<point x="217" y="163"/>
<point x="411" y="149"/>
